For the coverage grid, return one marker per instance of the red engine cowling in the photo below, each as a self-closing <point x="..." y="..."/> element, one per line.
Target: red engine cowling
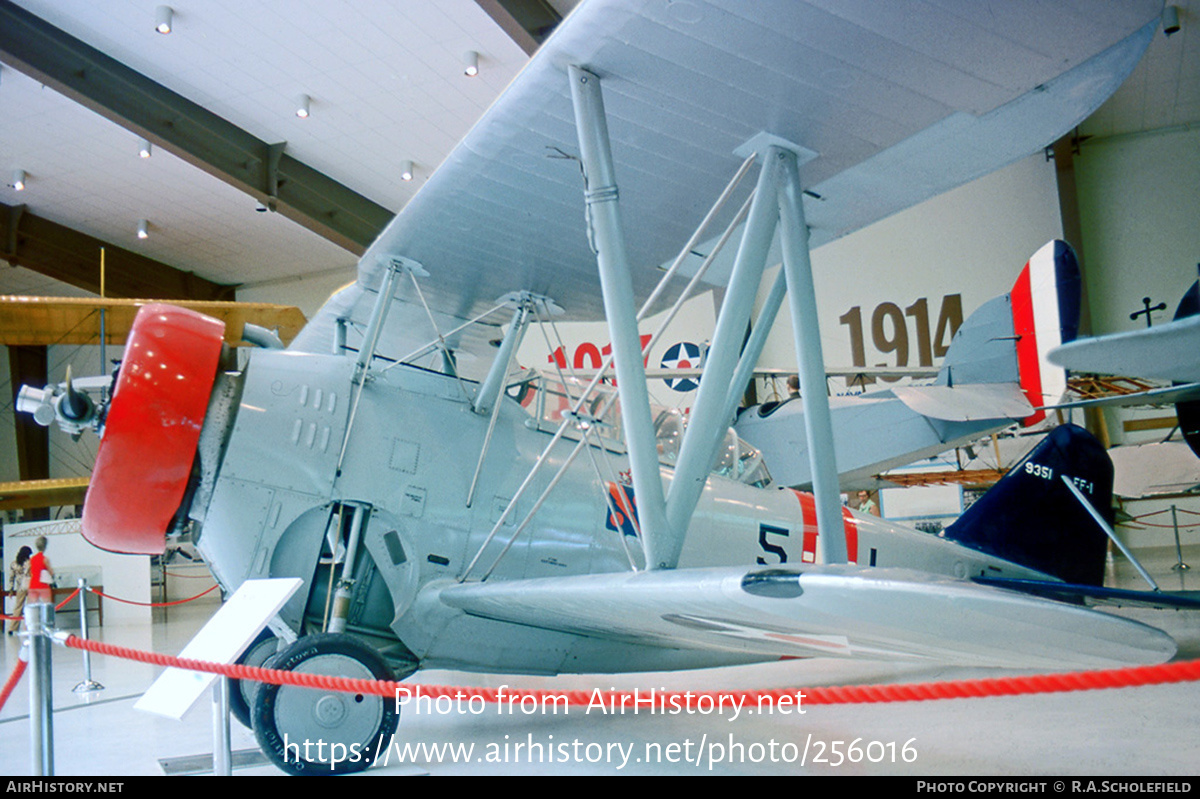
<point x="152" y="429"/>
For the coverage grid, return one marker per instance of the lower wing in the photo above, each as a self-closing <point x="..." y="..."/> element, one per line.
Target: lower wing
<point x="843" y="611"/>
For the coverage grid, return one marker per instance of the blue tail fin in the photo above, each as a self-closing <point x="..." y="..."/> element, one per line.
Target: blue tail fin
<point x="1030" y="517"/>
<point x="1188" y="413"/>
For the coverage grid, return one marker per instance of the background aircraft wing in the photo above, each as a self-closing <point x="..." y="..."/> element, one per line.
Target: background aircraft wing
<point x="1167" y="395"/>
<point x="898" y="102"/>
<point x="1164" y="352"/>
<point x="842" y="611"/>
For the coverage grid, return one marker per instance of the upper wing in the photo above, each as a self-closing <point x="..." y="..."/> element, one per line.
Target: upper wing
<point x="899" y="102"/>
<point x="819" y="611"/>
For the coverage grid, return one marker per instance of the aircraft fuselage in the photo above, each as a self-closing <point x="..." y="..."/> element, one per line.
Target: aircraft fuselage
<point x="269" y="505"/>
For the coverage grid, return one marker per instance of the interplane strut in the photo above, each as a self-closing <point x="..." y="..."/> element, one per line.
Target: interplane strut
<point x="665" y="519"/>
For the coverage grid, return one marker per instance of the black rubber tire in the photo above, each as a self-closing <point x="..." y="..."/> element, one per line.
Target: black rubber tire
<point x="241" y="692"/>
<point x="351" y="726"/>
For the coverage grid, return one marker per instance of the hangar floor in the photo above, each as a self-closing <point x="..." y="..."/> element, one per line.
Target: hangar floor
<point x="1140" y="731"/>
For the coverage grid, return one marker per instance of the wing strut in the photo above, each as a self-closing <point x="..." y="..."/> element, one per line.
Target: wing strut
<point x="777" y="198"/>
<point x="488" y="396"/>
<point x="708" y="420"/>
<point x="662" y="543"/>
<point x="1108" y="531"/>
<point x="802" y="299"/>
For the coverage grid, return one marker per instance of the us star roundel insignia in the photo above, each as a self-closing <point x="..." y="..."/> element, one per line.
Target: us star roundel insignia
<point x="684" y="355"/>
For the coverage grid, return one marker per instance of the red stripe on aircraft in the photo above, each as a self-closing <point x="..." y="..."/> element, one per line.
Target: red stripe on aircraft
<point x="808" y="527"/>
<point x="850" y="526"/>
<point x="1027" y="351"/>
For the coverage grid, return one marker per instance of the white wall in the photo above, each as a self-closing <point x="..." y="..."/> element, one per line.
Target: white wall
<point x="971" y="241"/>
<point x="307" y="293"/>
<point x="1140" y="209"/>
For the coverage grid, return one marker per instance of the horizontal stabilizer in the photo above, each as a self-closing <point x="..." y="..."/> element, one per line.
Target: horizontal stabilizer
<point x="845" y="611"/>
<point x="1119" y="597"/>
<point x="967" y="403"/>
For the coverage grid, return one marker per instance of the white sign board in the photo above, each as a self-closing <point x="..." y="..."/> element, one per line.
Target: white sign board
<point x="221" y="640"/>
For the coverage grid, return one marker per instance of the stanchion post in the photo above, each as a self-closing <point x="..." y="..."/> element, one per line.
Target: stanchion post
<point x="222" y="744"/>
<point x="39" y="621"/>
<point x="1179" y="565"/>
<point x="88" y="685"/>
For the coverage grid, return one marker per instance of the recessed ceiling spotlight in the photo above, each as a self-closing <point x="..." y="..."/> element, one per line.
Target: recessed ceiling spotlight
<point x="144" y="149"/>
<point x="162" y="19"/>
<point x="303" y="103"/>
<point x="471" y="63"/>
<point x="18" y="179"/>
<point x="406" y="170"/>
<point x="143" y="229"/>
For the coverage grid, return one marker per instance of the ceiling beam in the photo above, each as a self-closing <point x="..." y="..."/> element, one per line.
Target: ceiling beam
<point x="31" y="494"/>
<point x="184" y="128"/>
<point x="64" y="254"/>
<point x="527" y="22"/>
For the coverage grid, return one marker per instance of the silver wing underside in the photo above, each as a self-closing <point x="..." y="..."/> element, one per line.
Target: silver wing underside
<point x="899" y="101"/>
<point x="840" y="611"/>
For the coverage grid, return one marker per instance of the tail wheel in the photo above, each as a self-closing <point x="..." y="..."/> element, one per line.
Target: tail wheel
<point x="314" y="731"/>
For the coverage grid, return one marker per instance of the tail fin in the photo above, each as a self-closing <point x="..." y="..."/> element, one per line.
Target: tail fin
<point x="1030" y="517"/>
<point x="1045" y="307"/>
<point x="1006" y="339"/>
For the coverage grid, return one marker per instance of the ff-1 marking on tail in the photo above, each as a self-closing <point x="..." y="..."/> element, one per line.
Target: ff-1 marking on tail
<point x="995" y="373"/>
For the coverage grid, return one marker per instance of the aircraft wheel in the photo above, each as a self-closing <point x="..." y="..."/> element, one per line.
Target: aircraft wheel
<point x="241" y="692"/>
<point x="312" y="731"/>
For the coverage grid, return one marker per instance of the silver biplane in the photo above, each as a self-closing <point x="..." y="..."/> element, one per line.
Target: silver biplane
<point x="447" y="509"/>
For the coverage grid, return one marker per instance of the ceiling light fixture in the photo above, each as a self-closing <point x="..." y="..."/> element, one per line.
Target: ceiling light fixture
<point x="143" y="230"/>
<point x="144" y="149"/>
<point x="406" y="170"/>
<point x="303" y="102"/>
<point x="18" y="179"/>
<point x="1170" y="20"/>
<point x="162" y="19"/>
<point x="471" y="63"/>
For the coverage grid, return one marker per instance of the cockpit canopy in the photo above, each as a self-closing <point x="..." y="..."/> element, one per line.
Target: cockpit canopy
<point x="737" y="459"/>
<point x="548" y="399"/>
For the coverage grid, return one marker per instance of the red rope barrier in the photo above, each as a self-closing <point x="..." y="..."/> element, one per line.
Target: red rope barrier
<point x="13" y="679"/>
<point x="70" y="596"/>
<point x="1165" y="510"/>
<point x="1181" y="528"/>
<point x="1162" y="674"/>
<point x="153" y="604"/>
